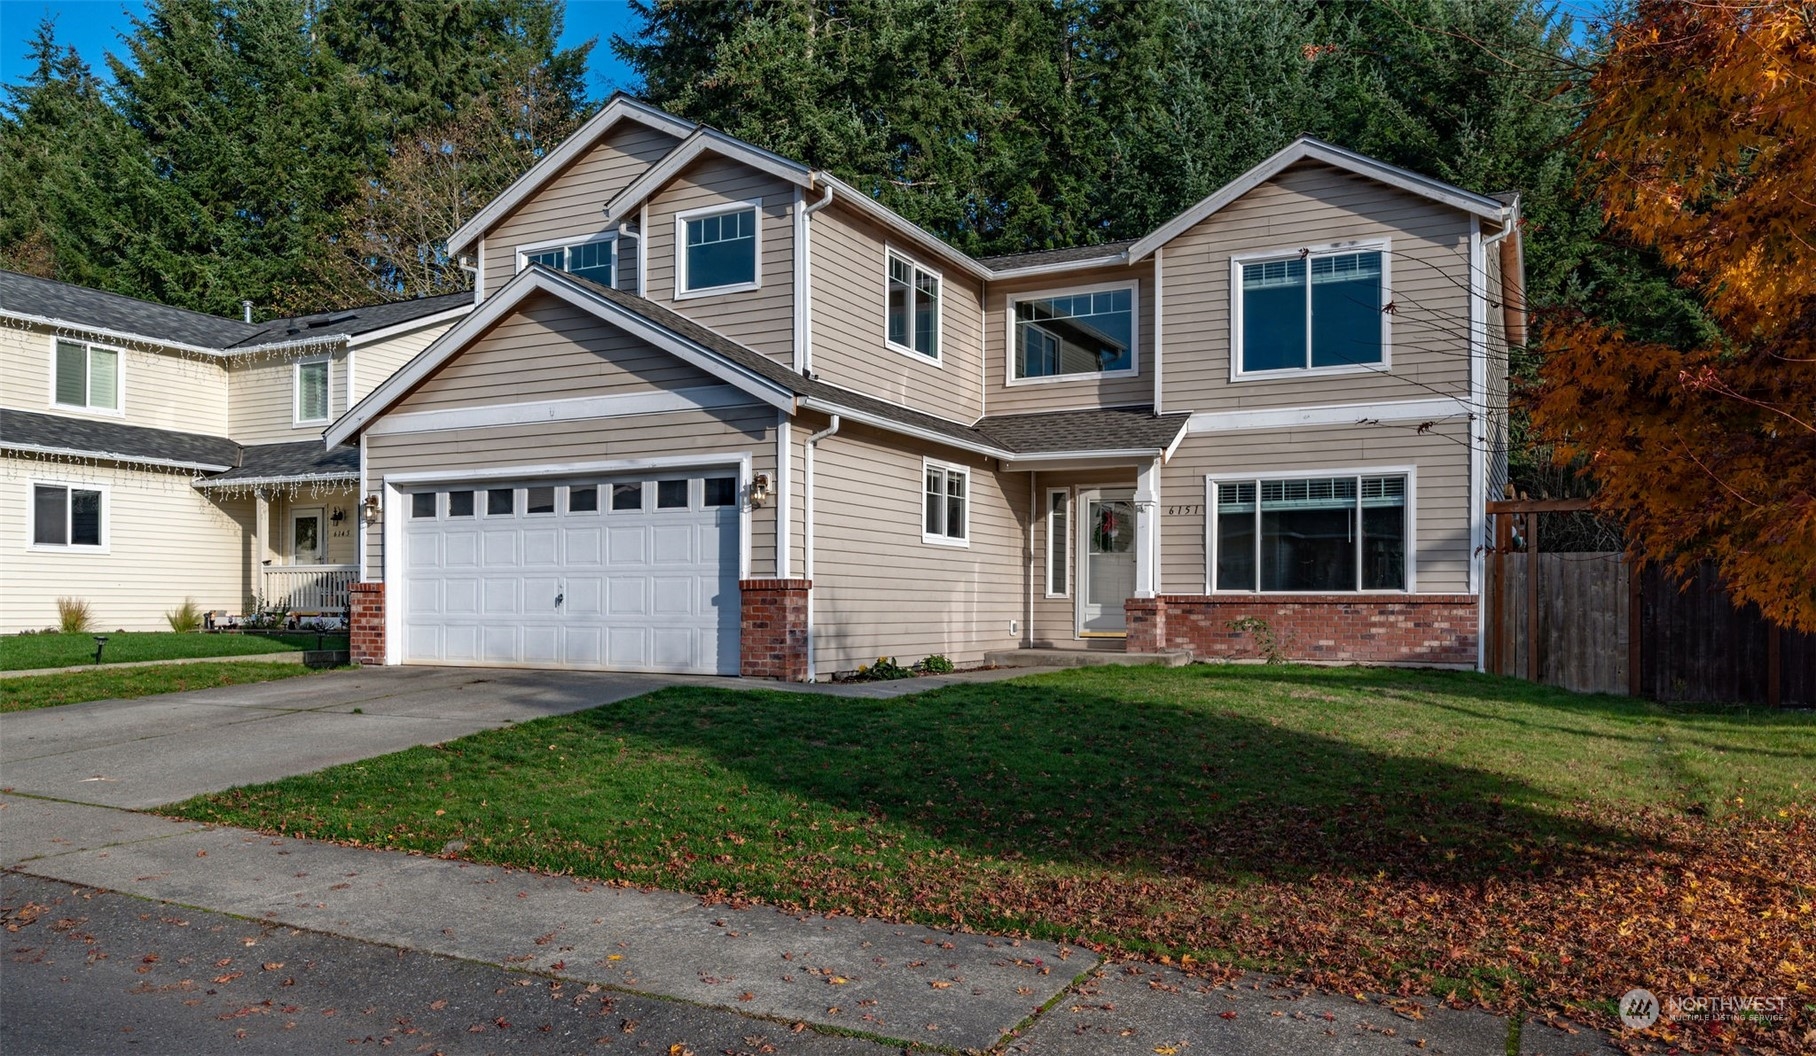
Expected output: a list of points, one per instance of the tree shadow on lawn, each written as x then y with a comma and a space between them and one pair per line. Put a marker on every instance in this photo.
1064, 774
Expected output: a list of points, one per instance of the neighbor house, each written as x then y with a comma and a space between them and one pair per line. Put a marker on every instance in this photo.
150, 455
718, 411
712, 410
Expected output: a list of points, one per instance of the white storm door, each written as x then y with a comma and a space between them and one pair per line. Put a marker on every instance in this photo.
1106, 560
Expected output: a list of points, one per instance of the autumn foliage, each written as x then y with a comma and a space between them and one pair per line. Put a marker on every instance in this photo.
1700, 140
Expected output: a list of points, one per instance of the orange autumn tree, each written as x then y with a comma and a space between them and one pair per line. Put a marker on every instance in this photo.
1700, 141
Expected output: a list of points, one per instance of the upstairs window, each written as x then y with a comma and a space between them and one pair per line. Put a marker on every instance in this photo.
1086, 333
1316, 311
1335, 534
65, 516
311, 391
718, 250
589, 260
87, 376
914, 307
946, 504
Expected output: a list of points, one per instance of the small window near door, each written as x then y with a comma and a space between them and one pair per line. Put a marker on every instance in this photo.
721, 491
627, 496
1059, 542
501, 502
540, 500
460, 504
671, 494
422, 504
583, 500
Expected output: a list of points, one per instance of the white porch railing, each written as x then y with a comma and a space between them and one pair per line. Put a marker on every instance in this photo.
308, 588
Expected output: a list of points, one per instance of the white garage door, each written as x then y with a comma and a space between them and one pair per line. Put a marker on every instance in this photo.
619, 574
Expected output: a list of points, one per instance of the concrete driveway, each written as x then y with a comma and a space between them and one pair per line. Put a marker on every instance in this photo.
155, 750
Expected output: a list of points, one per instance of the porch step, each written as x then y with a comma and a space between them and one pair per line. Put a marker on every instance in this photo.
1082, 658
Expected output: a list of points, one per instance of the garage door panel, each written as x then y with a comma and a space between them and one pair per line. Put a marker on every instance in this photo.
672, 646
460, 549
422, 641
584, 596
425, 600
500, 596
541, 644
539, 594
674, 595
673, 544
540, 549
584, 546
583, 646
425, 552
459, 597
627, 546
500, 550
627, 647
499, 644
628, 596
460, 642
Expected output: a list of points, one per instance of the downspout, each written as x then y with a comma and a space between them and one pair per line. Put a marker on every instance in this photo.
808, 446
805, 252
624, 232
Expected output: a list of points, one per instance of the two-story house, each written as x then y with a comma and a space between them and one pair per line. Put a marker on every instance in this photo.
150, 455
717, 411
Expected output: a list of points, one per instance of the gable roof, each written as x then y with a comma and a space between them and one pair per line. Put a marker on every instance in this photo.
1308, 148
701, 141
295, 462
619, 107
83, 437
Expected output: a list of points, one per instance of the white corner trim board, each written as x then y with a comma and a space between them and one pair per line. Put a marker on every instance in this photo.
1333, 414
574, 409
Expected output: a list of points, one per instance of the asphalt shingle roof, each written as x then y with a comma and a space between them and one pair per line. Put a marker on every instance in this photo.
302, 460
1104, 250
1122, 428
116, 439
81, 306
355, 321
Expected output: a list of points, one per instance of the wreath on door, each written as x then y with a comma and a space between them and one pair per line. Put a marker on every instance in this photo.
1107, 533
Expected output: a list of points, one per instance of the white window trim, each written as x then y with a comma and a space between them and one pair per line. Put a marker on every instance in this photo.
921, 484
119, 377
682, 291
1063, 538
1134, 371
31, 518
1382, 245
296, 392
321, 529
527, 249
938, 359
1411, 473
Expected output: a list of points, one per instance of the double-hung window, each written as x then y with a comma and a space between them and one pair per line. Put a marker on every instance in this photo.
86, 376
1323, 534
1087, 333
717, 250
311, 391
1311, 311
945, 504
64, 515
589, 260
914, 307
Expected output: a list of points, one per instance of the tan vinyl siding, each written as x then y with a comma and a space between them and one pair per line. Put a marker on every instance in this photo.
1441, 490
1312, 205
572, 204
166, 542
162, 390
375, 362
761, 319
1073, 392
1055, 620
263, 395
548, 349
342, 538
878, 589
849, 302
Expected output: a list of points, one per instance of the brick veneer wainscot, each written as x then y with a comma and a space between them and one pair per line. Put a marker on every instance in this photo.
366, 631
1355, 628
772, 639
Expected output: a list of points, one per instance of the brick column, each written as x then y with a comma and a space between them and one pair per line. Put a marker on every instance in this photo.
773, 629
366, 631
1147, 622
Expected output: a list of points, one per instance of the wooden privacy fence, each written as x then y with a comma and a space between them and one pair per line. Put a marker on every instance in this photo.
1591, 623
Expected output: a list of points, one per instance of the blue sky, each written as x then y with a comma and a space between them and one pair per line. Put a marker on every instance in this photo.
94, 28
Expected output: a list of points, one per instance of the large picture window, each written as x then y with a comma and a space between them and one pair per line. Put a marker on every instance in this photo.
87, 376
1074, 334
589, 260
914, 307
1310, 312
1331, 534
718, 250
66, 516
945, 504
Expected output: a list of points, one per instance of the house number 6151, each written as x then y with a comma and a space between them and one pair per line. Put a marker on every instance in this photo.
1185, 511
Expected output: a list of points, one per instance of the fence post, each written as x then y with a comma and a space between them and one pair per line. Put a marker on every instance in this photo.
1636, 628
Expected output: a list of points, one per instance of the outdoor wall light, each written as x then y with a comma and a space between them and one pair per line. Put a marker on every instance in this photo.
371, 509
338, 515
759, 490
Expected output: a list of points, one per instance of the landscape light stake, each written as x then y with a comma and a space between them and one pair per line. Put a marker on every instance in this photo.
100, 644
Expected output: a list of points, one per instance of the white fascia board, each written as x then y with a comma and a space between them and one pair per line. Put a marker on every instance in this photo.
902, 428
535, 279
108, 334
546, 470
110, 456
882, 214
1306, 148
1057, 460
569, 409
1061, 268
700, 142
400, 329
1330, 414
351, 480
619, 108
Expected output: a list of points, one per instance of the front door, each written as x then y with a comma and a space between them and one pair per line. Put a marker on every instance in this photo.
1106, 554
308, 540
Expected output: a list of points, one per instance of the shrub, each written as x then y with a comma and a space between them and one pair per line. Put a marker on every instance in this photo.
937, 664
1267, 643
73, 615
185, 617
884, 670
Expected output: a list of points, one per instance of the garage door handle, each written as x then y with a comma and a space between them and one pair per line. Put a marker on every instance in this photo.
558, 598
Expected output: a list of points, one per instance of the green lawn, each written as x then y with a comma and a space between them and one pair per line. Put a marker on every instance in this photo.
24, 652
1373, 827
47, 691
